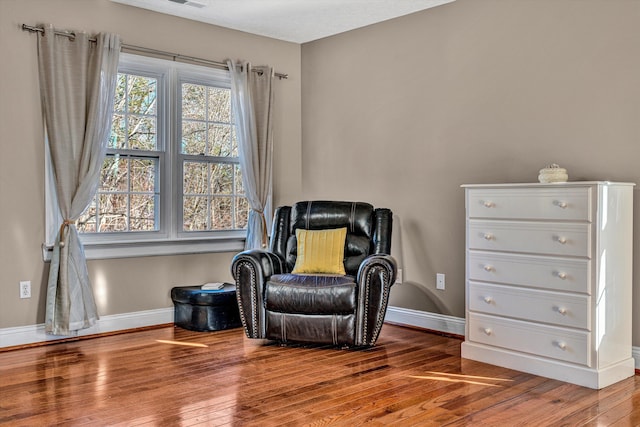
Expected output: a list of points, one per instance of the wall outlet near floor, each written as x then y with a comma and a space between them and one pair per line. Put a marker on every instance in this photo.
440, 281
398, 277
25, 289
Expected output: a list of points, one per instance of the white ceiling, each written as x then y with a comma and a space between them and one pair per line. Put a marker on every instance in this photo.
297, 21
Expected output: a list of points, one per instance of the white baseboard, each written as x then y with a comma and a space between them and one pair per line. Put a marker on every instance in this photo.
24, 335
635, 353
423, 319
448, 324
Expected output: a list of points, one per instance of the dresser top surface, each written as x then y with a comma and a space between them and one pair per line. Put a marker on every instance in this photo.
550, 185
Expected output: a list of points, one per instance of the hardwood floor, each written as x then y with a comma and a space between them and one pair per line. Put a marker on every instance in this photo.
171, 376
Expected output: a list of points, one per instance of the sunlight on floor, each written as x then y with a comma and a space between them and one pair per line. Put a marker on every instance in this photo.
189, 344
458, 378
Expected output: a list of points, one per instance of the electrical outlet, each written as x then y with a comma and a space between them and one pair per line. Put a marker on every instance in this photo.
25, 289
440, 281
398, 276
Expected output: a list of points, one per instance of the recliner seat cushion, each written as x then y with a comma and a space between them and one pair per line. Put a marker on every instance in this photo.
289, 293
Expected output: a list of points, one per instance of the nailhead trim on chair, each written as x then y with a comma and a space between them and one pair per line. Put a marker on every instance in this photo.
370, 340
385, 297
254, 299
366, 308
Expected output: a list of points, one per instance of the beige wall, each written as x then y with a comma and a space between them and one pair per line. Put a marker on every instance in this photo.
477, 91
122, 285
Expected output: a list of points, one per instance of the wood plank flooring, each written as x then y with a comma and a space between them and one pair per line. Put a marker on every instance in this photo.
173, 377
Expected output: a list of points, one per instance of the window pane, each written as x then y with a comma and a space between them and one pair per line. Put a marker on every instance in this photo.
142, 95
238, 175
142, 217
113, 212
193, 101
143, 175
221, 213
118, 209
194, 137
219, 140
195, 213
114, 174
234, 143
221, 178
120, 99
195, 178
242, 212
142, 133
208, 201
219, 100
118, 138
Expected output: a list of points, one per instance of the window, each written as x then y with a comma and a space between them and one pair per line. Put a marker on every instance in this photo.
171, 181
128, 195
212, 193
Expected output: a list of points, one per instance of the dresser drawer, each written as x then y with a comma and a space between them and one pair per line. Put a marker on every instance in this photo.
530, 237
542, 340
567, 204
560, 274
529, 304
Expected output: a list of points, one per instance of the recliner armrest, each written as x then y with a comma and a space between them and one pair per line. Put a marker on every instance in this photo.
266, 263
383, 261
376, 275
250, 269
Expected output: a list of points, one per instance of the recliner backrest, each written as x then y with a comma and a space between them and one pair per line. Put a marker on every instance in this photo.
368, 229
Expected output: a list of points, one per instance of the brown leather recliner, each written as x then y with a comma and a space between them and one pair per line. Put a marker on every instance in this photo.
346, 310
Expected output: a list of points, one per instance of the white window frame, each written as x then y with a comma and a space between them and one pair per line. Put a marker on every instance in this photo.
169, 239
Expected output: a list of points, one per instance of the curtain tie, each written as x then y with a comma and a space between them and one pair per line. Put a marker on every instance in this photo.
65, 224
264, 230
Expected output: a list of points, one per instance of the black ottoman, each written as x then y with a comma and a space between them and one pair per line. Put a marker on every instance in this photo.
206, 310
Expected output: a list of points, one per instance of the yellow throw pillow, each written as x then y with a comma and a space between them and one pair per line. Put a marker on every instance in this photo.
320, 251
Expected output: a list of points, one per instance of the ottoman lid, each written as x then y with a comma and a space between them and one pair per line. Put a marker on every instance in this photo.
194, 295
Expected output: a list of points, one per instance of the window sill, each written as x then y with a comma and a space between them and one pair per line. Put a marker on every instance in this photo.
155, 248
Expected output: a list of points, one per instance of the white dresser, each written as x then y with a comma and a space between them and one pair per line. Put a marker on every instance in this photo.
548, 279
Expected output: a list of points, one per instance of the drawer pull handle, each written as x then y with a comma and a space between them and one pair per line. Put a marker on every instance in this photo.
562, 310
488, 268
489, 204
561, 345
562, 205
562, 275
488, 236
488, 300
488, 331
562, 240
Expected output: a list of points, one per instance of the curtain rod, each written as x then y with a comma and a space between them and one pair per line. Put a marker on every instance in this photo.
133, 48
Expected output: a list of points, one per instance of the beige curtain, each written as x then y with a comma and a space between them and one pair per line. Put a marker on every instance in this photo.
252, 100
77, 83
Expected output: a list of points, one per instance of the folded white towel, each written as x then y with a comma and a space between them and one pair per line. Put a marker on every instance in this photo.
212, 286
